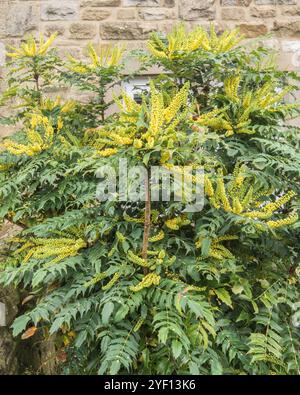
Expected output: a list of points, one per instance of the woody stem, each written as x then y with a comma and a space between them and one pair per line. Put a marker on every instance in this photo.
147, 221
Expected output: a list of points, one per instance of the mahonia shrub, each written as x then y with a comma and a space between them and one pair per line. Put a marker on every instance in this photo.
149, 287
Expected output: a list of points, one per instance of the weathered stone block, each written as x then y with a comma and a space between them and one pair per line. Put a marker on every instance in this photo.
240, 3
253, 30
125, 31
141, 3
82, 30
94, 14
100, 3
191, 10
291, 46
233, 14
265, 2
20, 19
269, 12
59, 10
169, 3
291, 11
2, 54
126, 13
275, 2
52, 28
155, 14
287, 28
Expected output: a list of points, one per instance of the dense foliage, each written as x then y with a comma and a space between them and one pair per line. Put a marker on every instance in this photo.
149, 287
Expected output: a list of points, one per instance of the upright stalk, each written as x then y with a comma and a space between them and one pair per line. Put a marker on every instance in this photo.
147, 220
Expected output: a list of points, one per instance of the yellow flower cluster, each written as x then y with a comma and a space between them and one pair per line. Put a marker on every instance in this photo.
231, 86
129, 108
271, 207
217, 250
132, 219
216, 120
162, 119
5, 166
265, 98
107, 152
31, 47
147, 281
177, 222
137, 260
120, 236
112, 282
104, 56
118, 139
208, 187
159, 236
176, 103
38, 142
98, 277
292, 218
237, 197
183, 172
176, 278
49, 105
180, 42
46, 248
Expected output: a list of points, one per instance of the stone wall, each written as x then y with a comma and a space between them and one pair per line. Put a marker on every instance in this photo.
81, 21
131, 21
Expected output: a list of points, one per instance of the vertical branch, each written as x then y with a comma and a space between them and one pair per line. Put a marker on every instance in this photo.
37, 84
36, 77
147, 221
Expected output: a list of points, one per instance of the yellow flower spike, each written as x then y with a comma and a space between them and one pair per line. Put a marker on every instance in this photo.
156, 113
57, 248
112, 282
208, 187
225, 238
257, 214
32, 48
149, 280
291, 219
60, 123
129, 108
93, 55
159, 236
107, 152
172, 224
237, 206
248, 197
178, 100
68, 106
136, 259
271, 207
137, 143
217, 250
49, 133
221, 193
120, 236
162, 254
97, 278
37, 142
131, 219
120, 140
44, 47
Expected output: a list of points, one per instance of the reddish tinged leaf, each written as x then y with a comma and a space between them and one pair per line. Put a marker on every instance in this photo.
29, 333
